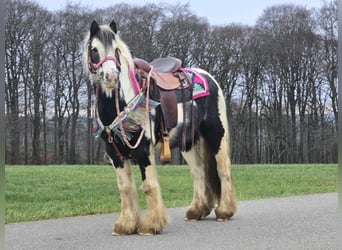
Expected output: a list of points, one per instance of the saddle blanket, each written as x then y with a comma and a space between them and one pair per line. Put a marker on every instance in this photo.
200, 84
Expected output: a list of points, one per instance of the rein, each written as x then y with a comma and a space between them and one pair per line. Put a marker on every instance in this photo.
145, 89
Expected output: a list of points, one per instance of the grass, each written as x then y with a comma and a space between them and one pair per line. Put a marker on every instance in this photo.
44, 192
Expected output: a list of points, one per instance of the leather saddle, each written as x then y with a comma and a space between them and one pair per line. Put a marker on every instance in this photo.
168, 77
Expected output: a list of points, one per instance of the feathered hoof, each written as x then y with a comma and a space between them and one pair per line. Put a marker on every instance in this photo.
195, 214
124, 229
223, 214
153, 225
149, 230
192, 215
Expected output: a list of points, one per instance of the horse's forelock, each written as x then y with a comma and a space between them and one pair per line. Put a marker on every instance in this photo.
105, 35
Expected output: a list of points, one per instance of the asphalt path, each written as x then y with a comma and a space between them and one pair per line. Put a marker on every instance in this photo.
299, 222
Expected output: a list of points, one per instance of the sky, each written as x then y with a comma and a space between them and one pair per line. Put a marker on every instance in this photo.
217, 12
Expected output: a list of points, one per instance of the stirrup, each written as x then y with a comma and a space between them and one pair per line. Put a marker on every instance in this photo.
165, 153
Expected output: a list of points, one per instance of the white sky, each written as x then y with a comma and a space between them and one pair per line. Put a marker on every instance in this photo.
218, 12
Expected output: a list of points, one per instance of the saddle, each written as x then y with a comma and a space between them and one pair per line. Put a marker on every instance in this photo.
168, 77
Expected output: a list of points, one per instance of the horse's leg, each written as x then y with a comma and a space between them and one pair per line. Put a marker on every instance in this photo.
201, 204
156, 214
129, 219
227, 200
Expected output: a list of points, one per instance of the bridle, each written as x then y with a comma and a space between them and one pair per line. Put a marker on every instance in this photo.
93, 67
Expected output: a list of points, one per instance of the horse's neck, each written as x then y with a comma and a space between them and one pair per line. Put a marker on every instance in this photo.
126, 84
107, 108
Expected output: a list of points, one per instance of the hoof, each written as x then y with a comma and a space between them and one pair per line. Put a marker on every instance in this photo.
117, 234
221, 220
121, 230
194, 215
197, 212
146, 234
222, 214
192, 220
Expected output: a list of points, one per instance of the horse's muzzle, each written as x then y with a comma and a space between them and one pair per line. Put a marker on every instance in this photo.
111, 80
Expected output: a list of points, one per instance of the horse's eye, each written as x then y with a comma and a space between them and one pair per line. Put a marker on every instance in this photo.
94, 54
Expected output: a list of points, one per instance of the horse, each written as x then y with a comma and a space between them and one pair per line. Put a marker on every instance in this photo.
130, 115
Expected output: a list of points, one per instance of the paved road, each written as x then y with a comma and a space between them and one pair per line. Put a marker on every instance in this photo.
300, 222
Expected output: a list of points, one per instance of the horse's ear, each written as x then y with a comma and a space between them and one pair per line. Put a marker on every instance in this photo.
112, 25
94, 28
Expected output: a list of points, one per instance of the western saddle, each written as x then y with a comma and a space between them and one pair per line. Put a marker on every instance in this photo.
167, 77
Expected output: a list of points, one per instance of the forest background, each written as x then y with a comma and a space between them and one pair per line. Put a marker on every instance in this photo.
279, 78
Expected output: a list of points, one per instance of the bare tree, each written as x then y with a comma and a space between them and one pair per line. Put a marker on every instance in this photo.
15, 32
288, 38
182, 35
71, 42
38, 47
26, 38
327, 28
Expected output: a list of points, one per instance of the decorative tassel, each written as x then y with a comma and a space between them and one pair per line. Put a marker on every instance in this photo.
165, 152
97, 128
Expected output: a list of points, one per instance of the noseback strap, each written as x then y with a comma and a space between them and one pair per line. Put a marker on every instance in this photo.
107, 58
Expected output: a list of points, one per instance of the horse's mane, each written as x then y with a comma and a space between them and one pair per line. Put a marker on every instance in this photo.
125, 51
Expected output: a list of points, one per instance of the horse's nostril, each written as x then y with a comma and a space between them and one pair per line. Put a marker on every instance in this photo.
110, 77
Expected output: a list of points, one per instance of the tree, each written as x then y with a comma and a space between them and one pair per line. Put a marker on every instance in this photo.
327, 28
26, 38
182, 35
288, 41
71, 62
38, 52
15, 32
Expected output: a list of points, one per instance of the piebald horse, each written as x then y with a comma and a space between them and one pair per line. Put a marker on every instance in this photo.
201, 132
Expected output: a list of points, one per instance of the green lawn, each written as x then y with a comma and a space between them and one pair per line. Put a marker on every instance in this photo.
42, 192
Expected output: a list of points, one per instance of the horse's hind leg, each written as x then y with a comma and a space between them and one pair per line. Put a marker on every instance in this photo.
226, 200
201, 204
129, 219
156, 214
